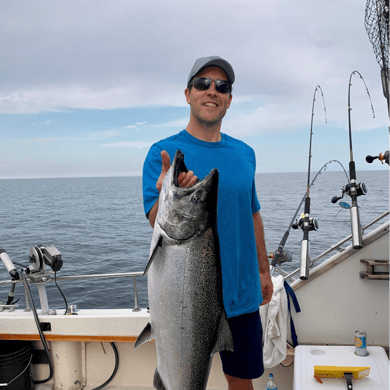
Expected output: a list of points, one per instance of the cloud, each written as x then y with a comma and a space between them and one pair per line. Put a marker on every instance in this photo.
48, 122
57, 98
125, 144
96, 59
131, 127
104, 134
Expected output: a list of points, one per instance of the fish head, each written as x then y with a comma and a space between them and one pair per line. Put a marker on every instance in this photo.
184, 212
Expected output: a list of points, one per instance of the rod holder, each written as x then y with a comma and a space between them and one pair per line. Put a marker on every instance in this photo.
357, 235
43, 298
136, 307
305, 251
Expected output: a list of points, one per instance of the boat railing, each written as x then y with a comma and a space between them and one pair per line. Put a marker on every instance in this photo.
116, 275
44, 303
337, 247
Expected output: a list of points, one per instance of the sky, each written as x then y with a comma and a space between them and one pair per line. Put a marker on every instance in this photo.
86, 87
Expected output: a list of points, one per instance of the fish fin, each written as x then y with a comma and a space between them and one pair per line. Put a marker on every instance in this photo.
224, 337
157, 381
145, 336
158, 244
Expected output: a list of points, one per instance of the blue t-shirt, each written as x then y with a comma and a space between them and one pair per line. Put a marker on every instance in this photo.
237, 201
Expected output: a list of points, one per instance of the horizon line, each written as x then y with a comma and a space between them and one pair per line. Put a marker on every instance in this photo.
139, 175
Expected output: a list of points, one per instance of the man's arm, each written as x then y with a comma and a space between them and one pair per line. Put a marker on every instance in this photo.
265, 276
153, 214
185, 180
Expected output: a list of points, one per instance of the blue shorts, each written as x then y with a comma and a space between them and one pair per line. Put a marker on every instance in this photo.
246, 361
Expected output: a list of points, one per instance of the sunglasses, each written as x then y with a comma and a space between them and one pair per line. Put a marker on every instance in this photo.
204, 83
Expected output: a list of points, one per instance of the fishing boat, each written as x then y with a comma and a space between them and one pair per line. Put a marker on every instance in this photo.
344, 289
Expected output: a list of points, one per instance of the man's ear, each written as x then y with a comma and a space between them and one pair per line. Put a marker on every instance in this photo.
230, 100
187, 94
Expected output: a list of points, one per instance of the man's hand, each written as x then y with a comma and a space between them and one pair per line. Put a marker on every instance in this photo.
185, 179
166, 163
267, 288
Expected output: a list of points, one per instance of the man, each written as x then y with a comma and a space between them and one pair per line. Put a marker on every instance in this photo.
240, 228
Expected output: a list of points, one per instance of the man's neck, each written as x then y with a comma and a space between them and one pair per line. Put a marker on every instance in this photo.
205, 133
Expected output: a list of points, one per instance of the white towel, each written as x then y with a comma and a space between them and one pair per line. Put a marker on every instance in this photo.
274, 317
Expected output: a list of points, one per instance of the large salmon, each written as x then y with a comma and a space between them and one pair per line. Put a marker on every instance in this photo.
187, 317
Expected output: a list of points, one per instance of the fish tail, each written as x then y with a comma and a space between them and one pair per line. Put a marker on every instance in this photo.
224, 341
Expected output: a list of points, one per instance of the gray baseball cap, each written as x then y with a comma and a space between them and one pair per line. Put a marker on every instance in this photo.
202, 62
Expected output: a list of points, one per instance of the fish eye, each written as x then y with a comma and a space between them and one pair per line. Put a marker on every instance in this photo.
196, 197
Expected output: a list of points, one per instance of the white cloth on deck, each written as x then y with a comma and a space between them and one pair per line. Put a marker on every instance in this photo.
274, 317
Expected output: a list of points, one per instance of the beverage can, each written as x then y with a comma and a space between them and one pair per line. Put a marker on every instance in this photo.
361, 343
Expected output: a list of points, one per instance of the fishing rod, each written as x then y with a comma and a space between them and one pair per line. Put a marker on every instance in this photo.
352, 189
281, 255
376, 22
308, 223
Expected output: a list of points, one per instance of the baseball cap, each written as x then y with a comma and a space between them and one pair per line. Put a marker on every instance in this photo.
202, 62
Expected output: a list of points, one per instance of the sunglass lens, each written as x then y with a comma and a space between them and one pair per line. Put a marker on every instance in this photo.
222, 86
202, 83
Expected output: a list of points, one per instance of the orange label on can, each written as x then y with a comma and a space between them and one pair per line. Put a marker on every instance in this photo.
358, 342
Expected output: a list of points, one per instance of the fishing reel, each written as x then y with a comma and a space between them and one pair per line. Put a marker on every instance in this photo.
351, 189
41, 255
283, 256
382, 157
299, 223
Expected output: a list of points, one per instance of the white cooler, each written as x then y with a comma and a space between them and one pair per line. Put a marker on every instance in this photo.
306, 357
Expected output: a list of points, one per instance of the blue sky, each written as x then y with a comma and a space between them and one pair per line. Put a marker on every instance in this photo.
86, 87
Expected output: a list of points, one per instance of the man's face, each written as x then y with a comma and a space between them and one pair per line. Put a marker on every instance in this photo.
209, 106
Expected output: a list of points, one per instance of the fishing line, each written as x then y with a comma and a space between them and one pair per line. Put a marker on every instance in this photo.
280, 251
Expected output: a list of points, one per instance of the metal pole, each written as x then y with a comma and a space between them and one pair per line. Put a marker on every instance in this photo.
136, 307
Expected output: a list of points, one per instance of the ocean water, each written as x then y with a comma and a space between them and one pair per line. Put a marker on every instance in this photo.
99, 226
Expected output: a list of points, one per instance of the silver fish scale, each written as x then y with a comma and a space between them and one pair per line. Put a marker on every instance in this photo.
185, 295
